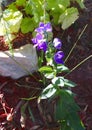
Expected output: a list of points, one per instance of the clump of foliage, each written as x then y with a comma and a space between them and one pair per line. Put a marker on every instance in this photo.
25, 15
54, 84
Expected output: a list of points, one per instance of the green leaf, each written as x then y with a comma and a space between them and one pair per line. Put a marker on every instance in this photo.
63, 3
47, 71
69, 83
45, 17
31, 114
58, 5
68, 17
61, 81
37, 10
80, 2
58, 81
49, 75
28, 8
62, 68
67, 109
23, 109
75, 122
48, 92
52, 4
13, 6
49, 56
20, 2
65, 126
10, 22
55, 16
27, 25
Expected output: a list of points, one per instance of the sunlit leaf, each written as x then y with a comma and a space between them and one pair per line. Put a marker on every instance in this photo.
11, 20
69, 83
58, 5
50, 75
58, 81
27, 25
46, 69
10, 23
68, 17
48, 92
20, 2
49, 58
62, 68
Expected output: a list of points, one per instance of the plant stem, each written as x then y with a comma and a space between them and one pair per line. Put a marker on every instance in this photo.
75, 43
44, 10
79, 64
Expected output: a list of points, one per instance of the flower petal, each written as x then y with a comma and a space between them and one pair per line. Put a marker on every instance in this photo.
48, 27
58, 57
42, 46
57, 43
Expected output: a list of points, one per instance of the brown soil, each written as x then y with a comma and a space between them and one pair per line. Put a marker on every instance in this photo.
18, 110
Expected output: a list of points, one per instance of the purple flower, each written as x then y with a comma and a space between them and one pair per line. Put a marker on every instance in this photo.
58, 57
44, 28
48, 27
42, 46
57, 43
39, 37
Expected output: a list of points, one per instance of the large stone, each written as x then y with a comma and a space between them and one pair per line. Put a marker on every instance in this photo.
24, 62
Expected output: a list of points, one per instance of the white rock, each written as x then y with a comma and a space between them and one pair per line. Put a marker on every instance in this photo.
24, 62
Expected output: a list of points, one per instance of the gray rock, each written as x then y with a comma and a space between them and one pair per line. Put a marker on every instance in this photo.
24, 62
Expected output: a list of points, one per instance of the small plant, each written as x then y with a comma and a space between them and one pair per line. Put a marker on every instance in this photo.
55, 85
25, 15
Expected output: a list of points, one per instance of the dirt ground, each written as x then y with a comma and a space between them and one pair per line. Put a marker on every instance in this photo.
11, 91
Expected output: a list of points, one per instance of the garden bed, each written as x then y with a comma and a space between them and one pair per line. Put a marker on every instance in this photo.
15, 92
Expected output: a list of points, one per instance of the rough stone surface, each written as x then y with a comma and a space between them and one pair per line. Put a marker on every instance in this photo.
24, 62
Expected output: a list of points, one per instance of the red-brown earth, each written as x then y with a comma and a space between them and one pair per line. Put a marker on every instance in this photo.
14, 110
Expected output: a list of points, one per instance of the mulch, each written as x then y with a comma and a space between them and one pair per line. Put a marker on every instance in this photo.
29, 113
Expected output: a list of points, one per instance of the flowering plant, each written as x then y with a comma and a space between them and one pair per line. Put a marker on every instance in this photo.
52, 68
